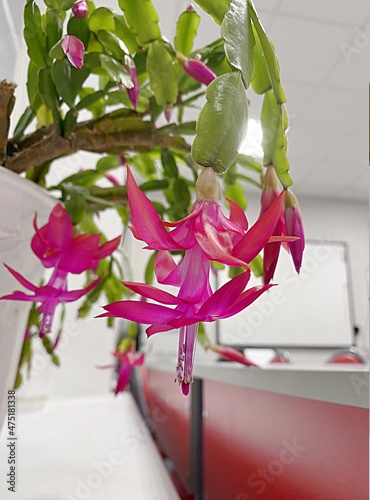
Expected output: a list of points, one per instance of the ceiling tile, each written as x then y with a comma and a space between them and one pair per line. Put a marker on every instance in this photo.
331, 11
306, 51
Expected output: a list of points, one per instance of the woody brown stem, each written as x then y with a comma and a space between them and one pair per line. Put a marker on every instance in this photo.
113, 133
7, 100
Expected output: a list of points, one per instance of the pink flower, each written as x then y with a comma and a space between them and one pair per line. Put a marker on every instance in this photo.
50, 295
268, 196
80, 9
55, 245
205, 235
133, 92
294, 227
126, 361
196, 69
74, 49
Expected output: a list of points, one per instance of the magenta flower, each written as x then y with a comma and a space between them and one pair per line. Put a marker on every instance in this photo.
74, 50
205, 235
268, 196
133, 92
126, 361
50, 295
294, 227
196, 69
80, 9
55, 245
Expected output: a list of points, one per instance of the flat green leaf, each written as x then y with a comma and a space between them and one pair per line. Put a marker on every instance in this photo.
181, 192
34, 35
76, 207
216, 8
125, 34
116, 71
66, 4
142, 18
111, 43
162, 74
23, 122
144, 165
101, 19
260, 80
222, 123
107, 163
52, 4
149, 270
270, 56
78, 27
47, 89
186, 31
78, 77
61, 73
274, 121
235, 192
56, 52
155, 185
257, 266
90, 98
169, 164
236, 30
54, 27
70, 121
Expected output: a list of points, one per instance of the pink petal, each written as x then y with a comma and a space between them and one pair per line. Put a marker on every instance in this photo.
225, 296
140, 312
70, 296
20, 296
151, 330
146, 220
258, 235
22, 280
123, 379
81, 255
151, 292
245, 300
164, 265
237, 215
108, 248
60, 228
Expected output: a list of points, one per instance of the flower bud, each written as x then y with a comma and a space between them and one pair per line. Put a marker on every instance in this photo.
74, 50
196, 69
80, 9
294, 227
133, 92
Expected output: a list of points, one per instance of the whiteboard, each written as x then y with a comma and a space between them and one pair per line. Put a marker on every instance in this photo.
313, 309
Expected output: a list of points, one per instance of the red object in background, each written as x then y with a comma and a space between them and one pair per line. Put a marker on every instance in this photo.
351, 355
260, 445
267, 446
281, 357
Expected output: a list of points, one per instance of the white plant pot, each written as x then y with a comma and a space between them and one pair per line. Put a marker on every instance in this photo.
19, 200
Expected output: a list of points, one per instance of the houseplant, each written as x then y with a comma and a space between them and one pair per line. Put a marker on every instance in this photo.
110, 83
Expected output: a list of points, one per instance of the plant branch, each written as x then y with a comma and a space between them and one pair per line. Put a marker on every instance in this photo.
7, 100
113, 133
